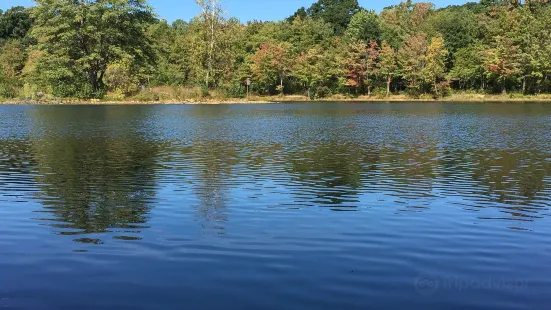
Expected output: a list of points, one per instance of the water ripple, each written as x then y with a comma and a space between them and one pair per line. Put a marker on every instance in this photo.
300, 206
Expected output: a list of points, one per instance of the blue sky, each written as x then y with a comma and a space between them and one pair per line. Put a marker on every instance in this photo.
242, 9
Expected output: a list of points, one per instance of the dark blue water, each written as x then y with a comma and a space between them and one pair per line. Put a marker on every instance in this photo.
296, 206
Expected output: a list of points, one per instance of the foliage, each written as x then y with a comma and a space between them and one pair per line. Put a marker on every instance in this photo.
312, 68
271, 64
121, 78
359, 62
88, 48
79, 40
412, 59
12, 61
469, 66
388, 64
14, 23
364, 26
435, 65
338, 13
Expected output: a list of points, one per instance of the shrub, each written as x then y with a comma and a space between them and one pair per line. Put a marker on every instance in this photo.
323, 92
120, 78
234, 90
189, 93
379, 92
8, 88
413, 92
205, 92
443, 89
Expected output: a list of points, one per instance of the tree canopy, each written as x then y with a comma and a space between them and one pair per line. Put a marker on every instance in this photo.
119, 49
14, 23
338, 13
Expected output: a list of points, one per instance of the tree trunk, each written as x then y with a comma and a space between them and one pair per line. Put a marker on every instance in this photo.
211, 48
368, 86
388, 81
524, 85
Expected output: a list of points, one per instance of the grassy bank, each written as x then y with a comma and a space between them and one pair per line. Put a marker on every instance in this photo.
194, 95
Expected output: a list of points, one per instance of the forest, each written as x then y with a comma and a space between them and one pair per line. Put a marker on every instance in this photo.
121, 50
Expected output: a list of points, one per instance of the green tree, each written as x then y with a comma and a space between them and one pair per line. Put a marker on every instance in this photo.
14, 23
78, 41
400, 22
388, 65
172, 67
197, 63
458, 26
304, 34
364, 26
468, 67
179, 25
336, 12
212, 18
122, 78
12, 60
85, 48
314, 68
300, 13
412, 60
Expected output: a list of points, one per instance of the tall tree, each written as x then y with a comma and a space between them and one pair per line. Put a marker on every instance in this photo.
272, 62
435, 62
400, 22
411, 59
502, 62
468, 67
373, 51
12, 60
313, 68
14, 23
364, 26
359, 62
305, 33
77, 41
387, 64
458, 26
336, 12
212, 16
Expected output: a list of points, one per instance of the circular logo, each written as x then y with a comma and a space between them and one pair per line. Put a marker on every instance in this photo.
426, 286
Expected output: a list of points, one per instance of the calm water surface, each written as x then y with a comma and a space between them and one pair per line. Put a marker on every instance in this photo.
322, 206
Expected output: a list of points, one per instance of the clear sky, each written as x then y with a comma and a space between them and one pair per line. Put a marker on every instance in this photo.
242, 9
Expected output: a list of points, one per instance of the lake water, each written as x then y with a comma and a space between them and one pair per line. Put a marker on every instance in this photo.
292, 206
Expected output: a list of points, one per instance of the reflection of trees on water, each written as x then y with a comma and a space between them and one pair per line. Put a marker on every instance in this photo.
100, 174
16, 159
513, 179
212, 160
96, 175
333, 171
505, 173
212, 173
338, 173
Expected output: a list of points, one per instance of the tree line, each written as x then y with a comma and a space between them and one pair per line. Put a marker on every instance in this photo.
120, 48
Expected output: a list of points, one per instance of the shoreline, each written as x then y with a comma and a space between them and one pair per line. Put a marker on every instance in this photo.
286, 99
